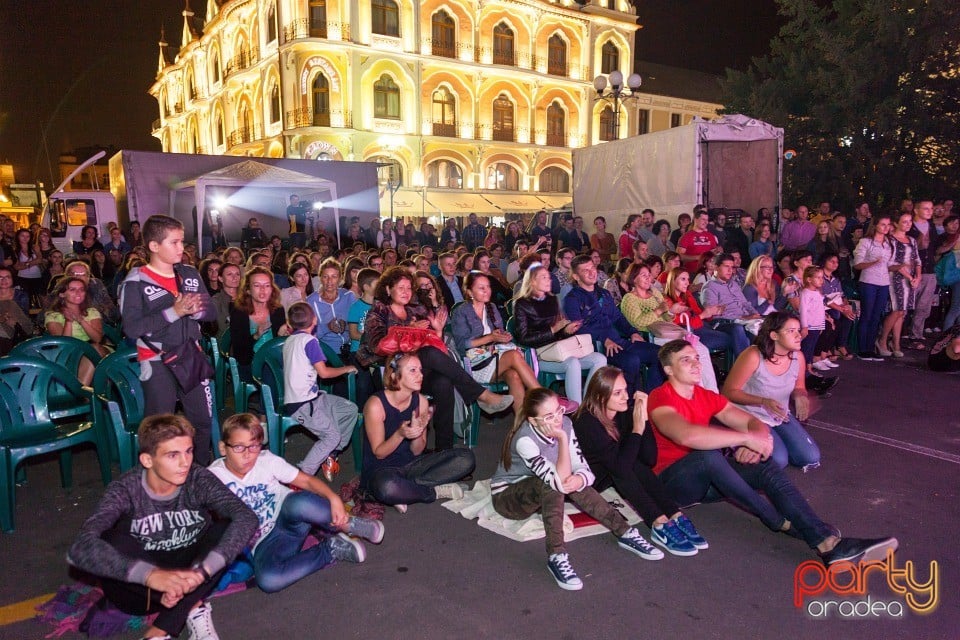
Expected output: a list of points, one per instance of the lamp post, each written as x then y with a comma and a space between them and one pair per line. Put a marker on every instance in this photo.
617, 93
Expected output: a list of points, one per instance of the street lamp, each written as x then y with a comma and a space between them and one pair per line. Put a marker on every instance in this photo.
617, 94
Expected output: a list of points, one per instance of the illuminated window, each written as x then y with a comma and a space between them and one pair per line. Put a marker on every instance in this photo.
444, 174
318, 18
503, 119
609, 58
556, 56
503, 38
386, 98
444, 42
556, 126
275, 104
608, 124
220, 133
272, 23
388, 170
554, 180
503, 177
385, 16
444, 113
321, 101
215, 67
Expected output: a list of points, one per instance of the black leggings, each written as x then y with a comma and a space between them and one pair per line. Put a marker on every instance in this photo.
160, 395
137, 599
441, 375
640, 486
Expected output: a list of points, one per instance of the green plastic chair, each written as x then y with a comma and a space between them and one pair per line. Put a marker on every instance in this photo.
221, 363
67, 352
113, 336
28, 426
356, 441
116, 382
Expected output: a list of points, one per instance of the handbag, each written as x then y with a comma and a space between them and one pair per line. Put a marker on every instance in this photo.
401, 339
667, 330
188, 364
578, 346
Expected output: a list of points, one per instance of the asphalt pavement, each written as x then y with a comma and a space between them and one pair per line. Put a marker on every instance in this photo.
890, 442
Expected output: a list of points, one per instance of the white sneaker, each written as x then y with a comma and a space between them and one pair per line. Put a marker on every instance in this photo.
821, 365
401, 508
831, 364
449, 491
200, 623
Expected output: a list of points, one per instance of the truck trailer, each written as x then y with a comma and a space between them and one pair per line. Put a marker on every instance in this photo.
734, 162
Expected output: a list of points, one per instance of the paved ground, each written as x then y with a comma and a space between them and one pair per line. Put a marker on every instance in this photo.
890, 437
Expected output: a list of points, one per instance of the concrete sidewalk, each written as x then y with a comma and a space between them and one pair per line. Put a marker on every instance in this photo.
890, 437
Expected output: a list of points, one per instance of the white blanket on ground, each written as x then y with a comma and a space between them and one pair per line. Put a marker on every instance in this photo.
477, 503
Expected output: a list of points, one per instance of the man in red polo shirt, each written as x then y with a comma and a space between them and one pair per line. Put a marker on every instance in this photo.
696, 242
699, 462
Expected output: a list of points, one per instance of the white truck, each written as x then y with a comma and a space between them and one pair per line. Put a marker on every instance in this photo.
735, 162
228, 189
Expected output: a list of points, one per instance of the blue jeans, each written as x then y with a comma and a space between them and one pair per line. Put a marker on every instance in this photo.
873, 302
278, 560
631, 358
736, 332
808, 346
709, 476
792, 443
415, 481
713, 339
954, 313
572, 370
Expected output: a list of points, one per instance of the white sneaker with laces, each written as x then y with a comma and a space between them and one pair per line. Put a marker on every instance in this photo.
200, 623
449, 491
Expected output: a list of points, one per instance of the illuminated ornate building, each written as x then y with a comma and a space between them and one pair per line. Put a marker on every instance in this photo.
469, 105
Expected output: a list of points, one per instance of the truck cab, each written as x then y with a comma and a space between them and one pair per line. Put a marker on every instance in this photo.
68, 212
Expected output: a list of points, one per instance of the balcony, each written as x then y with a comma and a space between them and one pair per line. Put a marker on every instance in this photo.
556, 139
445, 129
243, 60
243, 135
508, 58
303, 28
336, 119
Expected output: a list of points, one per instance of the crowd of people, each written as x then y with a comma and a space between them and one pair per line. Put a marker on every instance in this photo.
781, 298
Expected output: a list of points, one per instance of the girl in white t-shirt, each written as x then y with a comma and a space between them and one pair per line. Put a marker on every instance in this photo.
263, 481
816, 326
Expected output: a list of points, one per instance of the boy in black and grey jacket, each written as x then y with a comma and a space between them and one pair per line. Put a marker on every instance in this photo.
164, 532
162, 305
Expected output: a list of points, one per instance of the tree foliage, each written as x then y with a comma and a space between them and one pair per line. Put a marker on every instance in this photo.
868, 92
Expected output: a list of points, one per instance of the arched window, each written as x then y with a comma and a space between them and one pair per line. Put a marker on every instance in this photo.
503, 177
272, 23
318, 18
245, 120
190, 86
386, 98
444, 42
556, 125
444, 113
385, 17
609, 57
554, 180
275, 104
221, 135
321, 101
388, 170
503, 119
608, 125
556, 56
503, 52
164, 105
444, 174
194, 139
215, 70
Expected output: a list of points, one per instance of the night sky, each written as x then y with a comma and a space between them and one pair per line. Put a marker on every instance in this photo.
80, 77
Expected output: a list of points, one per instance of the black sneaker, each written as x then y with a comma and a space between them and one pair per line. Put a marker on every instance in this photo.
856, 549
870, 356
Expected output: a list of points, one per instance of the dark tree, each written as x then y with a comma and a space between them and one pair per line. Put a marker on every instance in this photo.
868, 92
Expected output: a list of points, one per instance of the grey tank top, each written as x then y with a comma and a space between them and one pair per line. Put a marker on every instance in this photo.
766, 384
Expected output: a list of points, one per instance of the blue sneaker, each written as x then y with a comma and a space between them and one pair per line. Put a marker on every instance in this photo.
697, 540
670, 537
563, 573
633, 541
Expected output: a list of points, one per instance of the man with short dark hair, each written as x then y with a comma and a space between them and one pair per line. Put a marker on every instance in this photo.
695, 465
696, 242
163, 533
474, 233
742, 235
722, 291
297, 217
568, 236
601, 318
450, 287
797, 233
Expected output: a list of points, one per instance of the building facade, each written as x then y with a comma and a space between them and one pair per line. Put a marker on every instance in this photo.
469, 105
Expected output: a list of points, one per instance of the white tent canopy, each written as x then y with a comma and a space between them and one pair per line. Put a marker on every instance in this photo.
250, 174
